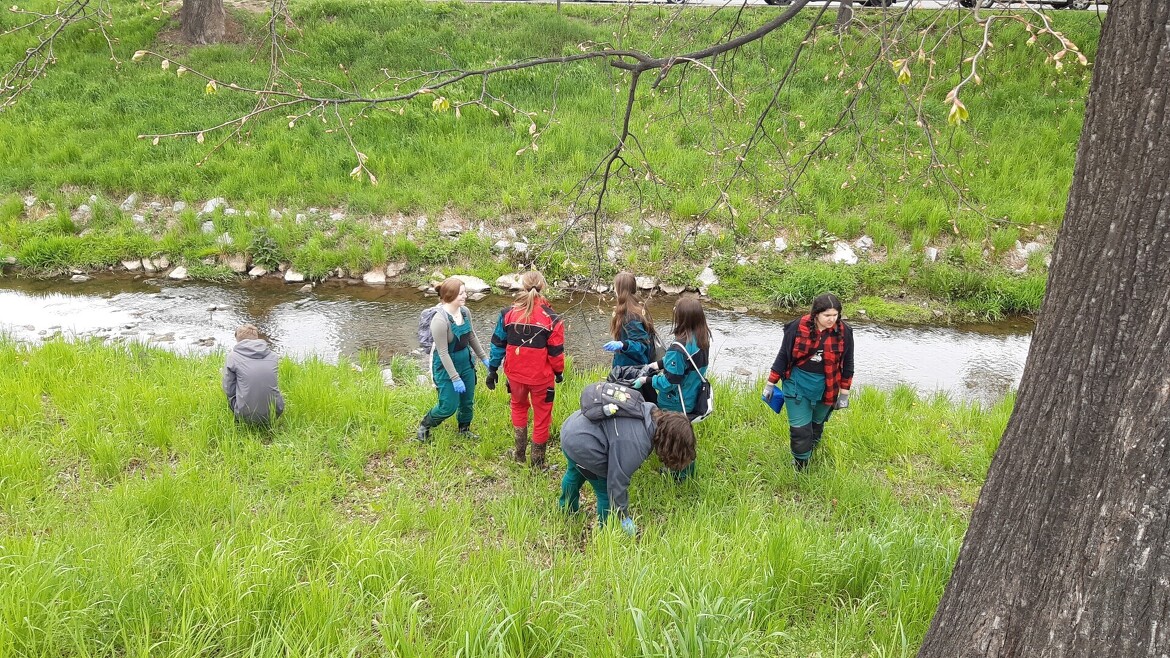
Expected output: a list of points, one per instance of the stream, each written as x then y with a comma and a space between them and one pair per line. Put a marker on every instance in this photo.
972, 363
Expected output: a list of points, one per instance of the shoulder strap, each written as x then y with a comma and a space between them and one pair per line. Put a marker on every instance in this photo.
687, 354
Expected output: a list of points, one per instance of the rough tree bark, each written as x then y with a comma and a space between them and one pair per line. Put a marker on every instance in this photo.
844, 16
202, 21
1067, 551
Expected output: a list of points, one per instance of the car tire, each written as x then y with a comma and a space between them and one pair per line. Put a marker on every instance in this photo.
779, 3
877, 3
968, 4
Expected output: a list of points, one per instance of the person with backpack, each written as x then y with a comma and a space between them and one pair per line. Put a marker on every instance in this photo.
529, 341
608, 438
680, 378
634, 341
452, 364
815, 371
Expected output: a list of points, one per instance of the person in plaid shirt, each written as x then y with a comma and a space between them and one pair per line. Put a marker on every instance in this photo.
815, 371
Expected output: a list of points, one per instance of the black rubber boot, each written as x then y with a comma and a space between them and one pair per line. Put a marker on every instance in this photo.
424, 430
538, 455
466, 433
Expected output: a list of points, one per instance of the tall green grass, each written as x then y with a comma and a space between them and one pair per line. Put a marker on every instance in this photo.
138, 519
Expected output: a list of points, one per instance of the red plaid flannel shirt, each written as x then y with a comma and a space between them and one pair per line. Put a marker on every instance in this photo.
806, 342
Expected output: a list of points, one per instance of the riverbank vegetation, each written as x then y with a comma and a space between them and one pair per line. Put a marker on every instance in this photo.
137, 519
950, 242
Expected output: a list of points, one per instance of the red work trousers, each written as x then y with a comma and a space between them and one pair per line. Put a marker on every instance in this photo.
540, 398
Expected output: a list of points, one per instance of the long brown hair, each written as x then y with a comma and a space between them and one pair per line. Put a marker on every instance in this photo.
690, 322
532, 282
629, 306
674, 439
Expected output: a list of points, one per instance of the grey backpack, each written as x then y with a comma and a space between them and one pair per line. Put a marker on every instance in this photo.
425, 340
609, 400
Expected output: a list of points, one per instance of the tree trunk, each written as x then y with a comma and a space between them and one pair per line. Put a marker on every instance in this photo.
202, 21
1066, 554
844, 16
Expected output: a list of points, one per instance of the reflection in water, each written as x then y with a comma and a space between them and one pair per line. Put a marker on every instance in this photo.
978, 364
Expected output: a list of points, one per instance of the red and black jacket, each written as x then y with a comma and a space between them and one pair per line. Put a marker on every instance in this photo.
532, 349
802, 340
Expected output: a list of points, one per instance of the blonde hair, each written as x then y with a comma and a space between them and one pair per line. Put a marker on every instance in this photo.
247, 331
533, 283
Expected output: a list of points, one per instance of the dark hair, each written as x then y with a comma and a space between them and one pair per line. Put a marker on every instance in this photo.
690, 322
449, 289
825, 302
674, 439
629, 306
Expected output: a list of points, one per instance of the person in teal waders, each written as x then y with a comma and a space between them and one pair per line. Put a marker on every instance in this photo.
815, 371
452, 363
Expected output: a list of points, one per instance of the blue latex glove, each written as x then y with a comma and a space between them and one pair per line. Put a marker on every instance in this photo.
612, 346
628, 527
460, 387
486, 364
640, 381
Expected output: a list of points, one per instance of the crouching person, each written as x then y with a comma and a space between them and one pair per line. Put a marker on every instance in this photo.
249, 379
608, 439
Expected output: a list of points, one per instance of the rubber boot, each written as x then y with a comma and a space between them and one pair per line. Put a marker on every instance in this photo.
466, 433
799, 464
521, 435
424, 433
538, 455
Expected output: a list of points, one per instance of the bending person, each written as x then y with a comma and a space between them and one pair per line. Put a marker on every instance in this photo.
249, 379
606, 453
815, 370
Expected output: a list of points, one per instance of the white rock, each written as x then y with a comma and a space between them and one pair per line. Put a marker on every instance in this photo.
387, 377
476, 296
148, 266
741, 260
450, 227
376, 277
779, 244
864, 243
132, 265
1030, 248
337, 216
138, 219
178, 274
179, 206
208, 227
420, 223
611, 254
308, 287
300, 218
508, 282
512, 233
230, 212
707, 277
156, 206
394, 270
130, 202
501, 245
214, 204
314, 211
293, 276
671, 289
84, 209
162, 262
30, 201
843, 253
520, 247
257, 271
646, 282
238, 263
473, 284
79, 278
274, 214
931, 254
601, 288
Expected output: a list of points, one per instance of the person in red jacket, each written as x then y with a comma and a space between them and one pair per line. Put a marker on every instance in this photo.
529, 341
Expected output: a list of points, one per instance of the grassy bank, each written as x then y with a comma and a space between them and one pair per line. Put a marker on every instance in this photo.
75, 135
137, 520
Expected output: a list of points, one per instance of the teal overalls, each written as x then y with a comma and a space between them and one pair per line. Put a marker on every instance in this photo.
450, 401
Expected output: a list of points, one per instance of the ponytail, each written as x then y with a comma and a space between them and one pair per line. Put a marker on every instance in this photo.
532, 283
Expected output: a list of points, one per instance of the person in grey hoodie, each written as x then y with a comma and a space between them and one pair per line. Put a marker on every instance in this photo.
249, 379
606, 453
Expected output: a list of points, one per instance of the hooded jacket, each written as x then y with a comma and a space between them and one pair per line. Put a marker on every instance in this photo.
249, 381
613, 449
